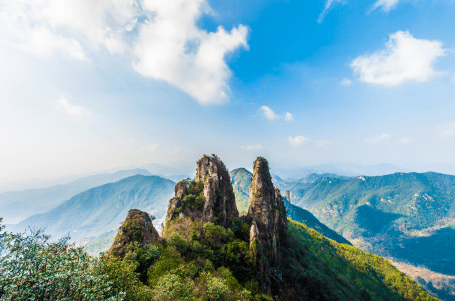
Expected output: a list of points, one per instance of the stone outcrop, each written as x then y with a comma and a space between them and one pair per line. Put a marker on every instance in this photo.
288, 196
136, 227
269, 229
214, 184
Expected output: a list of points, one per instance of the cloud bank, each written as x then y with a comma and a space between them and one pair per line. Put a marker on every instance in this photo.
404, 58
162, 37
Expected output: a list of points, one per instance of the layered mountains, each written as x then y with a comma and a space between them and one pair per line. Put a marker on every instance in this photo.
16, 206
101, 209
408, 217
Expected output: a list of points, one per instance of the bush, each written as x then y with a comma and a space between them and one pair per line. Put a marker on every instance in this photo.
172, 287
32, 268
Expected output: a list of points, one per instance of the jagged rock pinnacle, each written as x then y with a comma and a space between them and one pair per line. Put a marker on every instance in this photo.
214, 183
269, 229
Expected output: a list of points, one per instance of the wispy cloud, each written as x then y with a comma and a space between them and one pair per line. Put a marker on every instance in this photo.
288, 116
406, 140
271, 115
322, 143
162, 37
378, 139
148, 148
252, 147
404, 58
297, 141
386, 5
346, 82
72, 109
448, 129
328, 5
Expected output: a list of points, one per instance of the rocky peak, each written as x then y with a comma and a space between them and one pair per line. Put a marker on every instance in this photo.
268, 230
288, 196
136, 227
209, 198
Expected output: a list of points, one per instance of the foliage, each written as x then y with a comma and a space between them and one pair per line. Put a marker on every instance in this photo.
195, 199
344, 271
33, 268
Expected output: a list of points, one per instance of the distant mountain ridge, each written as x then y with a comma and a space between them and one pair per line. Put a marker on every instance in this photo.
409, 217
101, 209
18, 205
340, 169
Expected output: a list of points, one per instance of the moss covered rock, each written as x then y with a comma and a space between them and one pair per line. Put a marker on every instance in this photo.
137, 227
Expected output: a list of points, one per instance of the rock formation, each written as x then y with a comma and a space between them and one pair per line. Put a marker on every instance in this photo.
136, 227
269, 229
288, 196
214, 184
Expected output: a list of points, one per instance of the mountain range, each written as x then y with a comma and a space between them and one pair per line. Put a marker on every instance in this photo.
101, 209
16, 206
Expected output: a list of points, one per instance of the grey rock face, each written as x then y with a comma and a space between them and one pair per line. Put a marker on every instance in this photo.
269, 229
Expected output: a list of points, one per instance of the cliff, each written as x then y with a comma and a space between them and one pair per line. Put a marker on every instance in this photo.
209, 198
269, 231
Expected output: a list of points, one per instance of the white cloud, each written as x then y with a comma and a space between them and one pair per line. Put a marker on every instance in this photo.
346, 82
299, 140
378, 139
148, 148
288, 116
161, 35
252, 147
387, 5
406, 140
72, 109
269, 113
43, 26
404, 59
322, 143
448, 129
172, 48
328, 5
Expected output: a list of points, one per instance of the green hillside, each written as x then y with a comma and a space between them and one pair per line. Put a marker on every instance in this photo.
409, 217
241, 180
102, 209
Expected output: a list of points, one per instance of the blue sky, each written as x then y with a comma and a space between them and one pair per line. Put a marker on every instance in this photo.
88, 86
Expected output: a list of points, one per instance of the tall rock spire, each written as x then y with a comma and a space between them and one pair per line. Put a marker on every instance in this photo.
269, 229
214, 184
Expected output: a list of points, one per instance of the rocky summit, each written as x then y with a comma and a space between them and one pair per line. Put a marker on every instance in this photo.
269, 229
137, 227
208, 198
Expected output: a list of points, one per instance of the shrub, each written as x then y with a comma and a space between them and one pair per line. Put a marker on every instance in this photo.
32, 268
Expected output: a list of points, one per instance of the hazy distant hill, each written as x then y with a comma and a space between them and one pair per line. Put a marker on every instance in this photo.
18, 205
340, 169
101, 209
